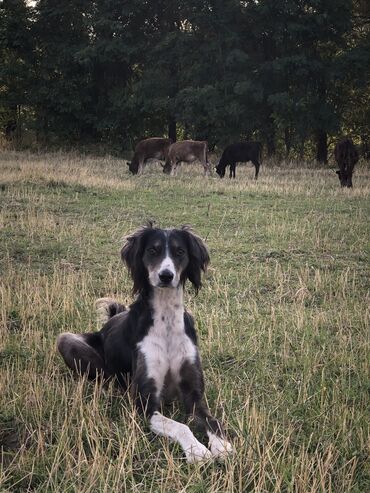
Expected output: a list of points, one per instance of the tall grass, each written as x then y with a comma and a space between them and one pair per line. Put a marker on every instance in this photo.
283, 322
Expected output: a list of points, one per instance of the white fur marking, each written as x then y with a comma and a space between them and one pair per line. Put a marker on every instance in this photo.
219, 447
166, 264
166, 346
181, 434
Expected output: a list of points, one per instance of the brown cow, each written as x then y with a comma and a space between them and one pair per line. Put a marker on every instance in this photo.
153, 148
346, 156
187, 151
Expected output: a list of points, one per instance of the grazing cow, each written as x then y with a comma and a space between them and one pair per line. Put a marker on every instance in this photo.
346, 156
240, 152
153, 148
187, 151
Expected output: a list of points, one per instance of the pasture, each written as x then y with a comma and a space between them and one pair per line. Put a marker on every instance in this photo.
283, 324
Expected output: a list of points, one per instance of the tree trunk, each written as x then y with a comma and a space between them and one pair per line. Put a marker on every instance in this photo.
270, 144
301, 147
18, 130
321, 146
172, 130
288, 141
269, 135
365, 147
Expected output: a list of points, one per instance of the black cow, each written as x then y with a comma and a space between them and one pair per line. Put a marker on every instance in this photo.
241, 152
346, 156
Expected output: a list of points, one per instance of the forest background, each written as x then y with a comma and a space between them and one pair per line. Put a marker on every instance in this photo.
103, 74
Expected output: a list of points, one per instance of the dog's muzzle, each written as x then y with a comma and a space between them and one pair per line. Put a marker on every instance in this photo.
166, 277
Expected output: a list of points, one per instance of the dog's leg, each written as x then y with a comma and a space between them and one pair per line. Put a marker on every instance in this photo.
192, 389
79, 354
217, 441
180, 433
147, 387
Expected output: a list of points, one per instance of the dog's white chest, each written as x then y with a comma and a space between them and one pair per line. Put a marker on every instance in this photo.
166, 346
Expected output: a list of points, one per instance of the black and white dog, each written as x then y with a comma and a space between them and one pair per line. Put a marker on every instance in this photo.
154, 341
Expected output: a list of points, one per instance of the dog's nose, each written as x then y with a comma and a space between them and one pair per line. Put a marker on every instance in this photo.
166, 276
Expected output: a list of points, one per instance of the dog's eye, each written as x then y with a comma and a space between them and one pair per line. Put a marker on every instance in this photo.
180, 252
152, 251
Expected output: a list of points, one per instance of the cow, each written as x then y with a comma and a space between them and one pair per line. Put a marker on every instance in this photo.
153, 148
346, 156
241, 152
187, 151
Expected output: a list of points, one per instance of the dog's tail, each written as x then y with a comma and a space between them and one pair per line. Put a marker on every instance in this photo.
106, 308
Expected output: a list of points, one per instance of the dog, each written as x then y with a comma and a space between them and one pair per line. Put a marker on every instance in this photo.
153, 343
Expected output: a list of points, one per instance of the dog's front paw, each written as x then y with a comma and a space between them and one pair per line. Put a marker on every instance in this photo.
197, 453
220, 448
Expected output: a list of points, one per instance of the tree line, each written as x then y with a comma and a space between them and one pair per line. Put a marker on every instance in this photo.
293, 74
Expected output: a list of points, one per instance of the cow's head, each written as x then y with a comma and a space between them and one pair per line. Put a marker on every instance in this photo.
345, 178
167, 168
220, 169
133, 166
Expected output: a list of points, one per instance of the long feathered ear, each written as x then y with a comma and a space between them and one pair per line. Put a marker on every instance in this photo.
132, 253
198, 257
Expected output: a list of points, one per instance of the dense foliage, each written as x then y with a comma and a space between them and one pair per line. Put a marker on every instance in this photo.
292, 73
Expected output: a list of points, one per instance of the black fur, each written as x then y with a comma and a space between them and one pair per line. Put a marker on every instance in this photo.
115, 351
199, 258
132, 255
240, 152
346, 156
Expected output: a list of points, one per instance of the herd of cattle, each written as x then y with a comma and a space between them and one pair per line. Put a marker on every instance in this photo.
188, 151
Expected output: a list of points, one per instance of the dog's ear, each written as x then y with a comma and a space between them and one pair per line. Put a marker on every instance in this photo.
198, 257
132, 253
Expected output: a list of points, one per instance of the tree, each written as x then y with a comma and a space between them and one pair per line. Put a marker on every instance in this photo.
61, 93
294, 74
16, 52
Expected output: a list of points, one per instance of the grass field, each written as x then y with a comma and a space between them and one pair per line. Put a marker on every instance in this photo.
283, 321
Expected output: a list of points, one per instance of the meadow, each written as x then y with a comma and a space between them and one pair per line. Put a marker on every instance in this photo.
283, 323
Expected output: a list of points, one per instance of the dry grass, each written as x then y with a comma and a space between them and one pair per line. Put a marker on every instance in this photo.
283, 321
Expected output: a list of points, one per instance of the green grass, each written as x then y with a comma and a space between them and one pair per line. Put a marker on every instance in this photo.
283, 322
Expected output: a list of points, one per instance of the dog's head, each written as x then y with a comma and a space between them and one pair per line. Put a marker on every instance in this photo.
164, 258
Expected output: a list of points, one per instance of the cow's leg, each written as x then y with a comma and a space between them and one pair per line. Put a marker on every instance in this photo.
173, 168
83, 353
232, 170
349, 176
343, 177
257, 166
140, 168
207, 169
340, 176
204, 160
192, 391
